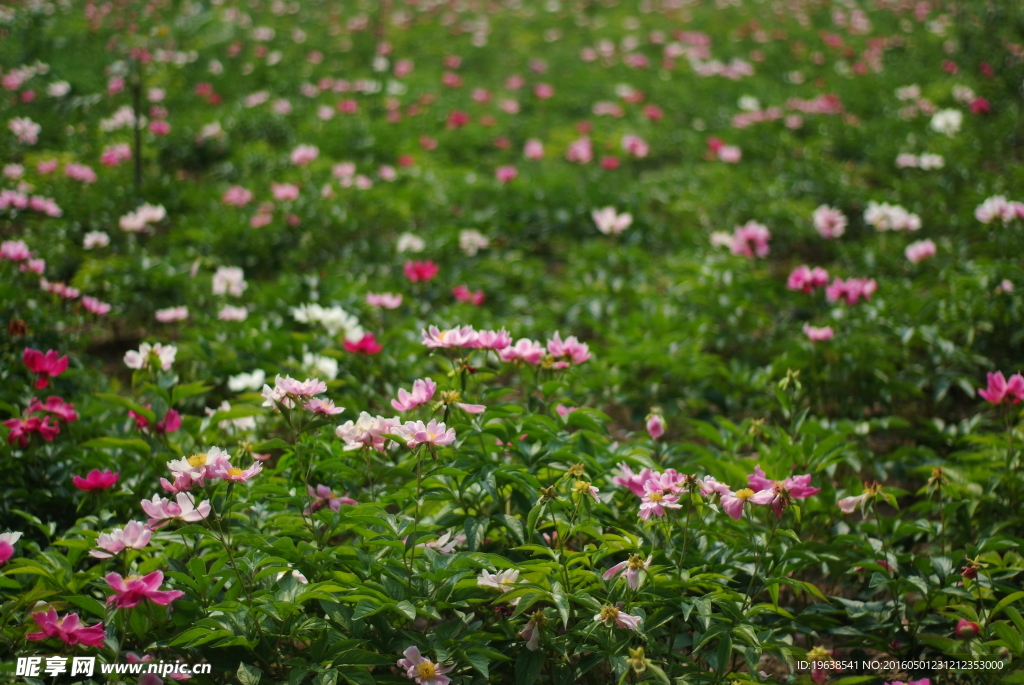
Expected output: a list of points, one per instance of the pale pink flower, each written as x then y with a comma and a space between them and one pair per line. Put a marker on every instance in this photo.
384, 300
504, 580
997, 207
610, 222
580, 151
572, 348
134, 535
463, 336
229, 280
730, 154
15, 250
323, 407
432, 434
94, 306
163, 511
304, 154
655, 425
610, 614
534, 149
525, 350
94, 239
504, 174
629, 569
421, 670
422, 390
284, 192
147, 355
225, 471
172, 314
493, 340
635, 146
25, 130
80, 173
795, 487
733, 502
920, 250
237, 196
231, 313
445, 544
815, 334
325, 497
367, 431
656, 501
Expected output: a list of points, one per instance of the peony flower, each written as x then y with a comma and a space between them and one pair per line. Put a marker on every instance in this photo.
610, 614
806, 279
493, 340
504, 581
148, 355
134, 535
999, 388
524, 350
324, 496
323, 407
366, 431
417, 271
94, 239
796, 487
131, 591
629, 569
423, 671
65, 411
610, 222
172, 314
750, 239
422, 391
225, 471
163, 511
384, 300
733, 502
633, 481
445, 544
815, 334
463, 336
7, 541
68, 629
96, 480
45, 365
655, 425
966, 630
304, 154
462, 293
919, 250
531, 632
366, 345
947, 122
656, 501
229, 280
433, 434
572, 348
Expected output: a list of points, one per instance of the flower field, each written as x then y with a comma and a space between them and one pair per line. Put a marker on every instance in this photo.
561, 341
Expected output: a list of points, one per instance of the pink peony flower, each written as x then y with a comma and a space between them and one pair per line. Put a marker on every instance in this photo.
999, 388
323, 496
366, 431
7, 541
422, 391
225, 471
612, 615
133, 536
966, 630
237, 196
534, 149
304, 154
384, 300
432, 434
815, 334
96, 480
463, 336
655, 425
525, 350
462, 293
68, 629
806, 279
423, 671
323, 407
829, 222
796, 487
733, 502
852, 290
493, 340
504, 581
172, 314
629, 569
577, 352
22, 429
163, 511
417, 271
133, 590
750, 239
45, 365
635, 146
65, 411
919, 250
610, 222
366, 345
656, 501
633, 481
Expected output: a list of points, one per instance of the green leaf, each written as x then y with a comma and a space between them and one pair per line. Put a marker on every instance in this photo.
357, 676
248, 675
515, 526
181, 392
531, 521
1005, 602
275, 444
134, 444
479, 662
561, 602
127, 403
528, 667
239, 411
93, 606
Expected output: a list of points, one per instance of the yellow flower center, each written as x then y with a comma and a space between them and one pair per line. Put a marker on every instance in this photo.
819, 653
197, 459
426, 669
582, 486
609, 613
656, 496
636, 561
744, 494
441, 336
234, 471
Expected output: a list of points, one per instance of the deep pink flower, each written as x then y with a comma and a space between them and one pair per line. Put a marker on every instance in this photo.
7, 541
68, 629
634, 481
96, 480
46, 365
131, 591
367, 345
21, 429
417, 271
999, 388
462, 293
65, 411
629, 569
796, 487
751, 239
806, 279
169, 424
966, 630
655, 425
851, 290
610, 614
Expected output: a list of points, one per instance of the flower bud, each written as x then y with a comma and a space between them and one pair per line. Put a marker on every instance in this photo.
966, 630
655, 425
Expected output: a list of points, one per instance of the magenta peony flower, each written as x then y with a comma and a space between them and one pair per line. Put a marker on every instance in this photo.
96, 480
131, 591
366, 345
324, 496
417, 271
7, 541
999, 388
68, 629
45, 365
